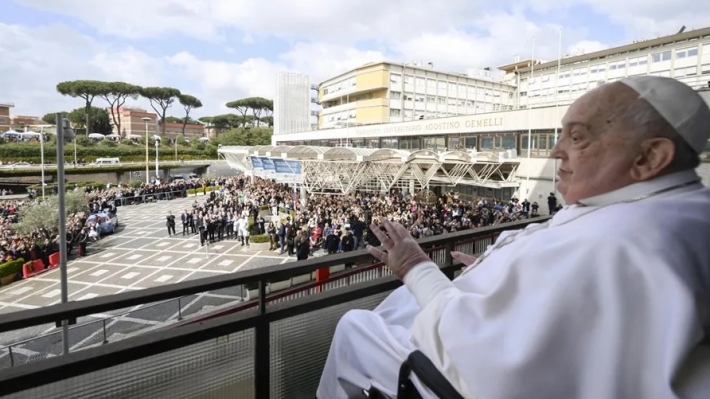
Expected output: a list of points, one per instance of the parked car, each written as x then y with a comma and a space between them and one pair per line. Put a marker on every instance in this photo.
107, 222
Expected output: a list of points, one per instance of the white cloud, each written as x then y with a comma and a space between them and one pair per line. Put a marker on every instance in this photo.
325, 38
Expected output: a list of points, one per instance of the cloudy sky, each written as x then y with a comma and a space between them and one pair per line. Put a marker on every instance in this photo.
222, 50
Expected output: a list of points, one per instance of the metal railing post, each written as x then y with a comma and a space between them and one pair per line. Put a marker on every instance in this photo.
12, 357
262, 350
179, 308
449, 260
104, 327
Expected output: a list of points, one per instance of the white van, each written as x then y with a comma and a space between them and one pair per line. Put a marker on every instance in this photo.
107, 161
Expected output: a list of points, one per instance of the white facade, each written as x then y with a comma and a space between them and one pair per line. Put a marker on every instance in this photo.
292, 103
414, 92
685, 57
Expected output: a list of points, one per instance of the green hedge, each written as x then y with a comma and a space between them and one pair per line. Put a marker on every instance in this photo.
11, 267
84, 170
68, 185
30, 152
259, 239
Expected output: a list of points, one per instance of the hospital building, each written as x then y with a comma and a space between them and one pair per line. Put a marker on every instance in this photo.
415, 108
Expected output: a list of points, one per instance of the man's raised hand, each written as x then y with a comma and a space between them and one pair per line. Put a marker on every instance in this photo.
403, 253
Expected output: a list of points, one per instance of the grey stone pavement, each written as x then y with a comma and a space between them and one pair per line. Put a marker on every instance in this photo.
139, 255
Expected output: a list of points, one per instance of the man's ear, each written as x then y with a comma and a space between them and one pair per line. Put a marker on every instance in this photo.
654, 156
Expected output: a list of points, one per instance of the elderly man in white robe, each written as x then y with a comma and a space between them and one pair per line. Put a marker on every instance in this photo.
609, 299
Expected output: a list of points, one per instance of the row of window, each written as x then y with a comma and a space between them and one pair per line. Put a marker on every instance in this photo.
540, 145
632, 62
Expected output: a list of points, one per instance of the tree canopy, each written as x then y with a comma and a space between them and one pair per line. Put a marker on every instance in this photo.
45, 214
100, 121
258, 106
85, 89
161, 98
188, 103
50, 118
116, 94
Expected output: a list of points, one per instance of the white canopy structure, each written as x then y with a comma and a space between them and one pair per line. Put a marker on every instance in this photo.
347, 169
29, 134
97, 136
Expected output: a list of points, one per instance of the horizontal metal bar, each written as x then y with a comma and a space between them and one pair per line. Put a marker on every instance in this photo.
54, 369
51, 314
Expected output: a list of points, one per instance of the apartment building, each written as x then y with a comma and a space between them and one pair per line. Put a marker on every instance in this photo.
132, 122
19, 122
5, 120
388, 92
684, 56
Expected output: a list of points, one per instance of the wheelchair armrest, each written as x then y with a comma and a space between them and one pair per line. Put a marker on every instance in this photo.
418, 364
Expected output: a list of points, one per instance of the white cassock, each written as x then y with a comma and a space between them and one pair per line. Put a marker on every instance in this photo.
609, 300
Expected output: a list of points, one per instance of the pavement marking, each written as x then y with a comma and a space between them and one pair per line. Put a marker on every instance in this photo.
163, 278
189, 245
72, 269
99, 273
162, 244
163, 258
20, 291
87, 296
108, 255
226, 262
130, 275
194, 260
52, 294
134, 257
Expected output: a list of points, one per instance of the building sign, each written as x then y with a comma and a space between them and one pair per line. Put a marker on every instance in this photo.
283, 166
295, 166
267, 164
470, 123
256, 163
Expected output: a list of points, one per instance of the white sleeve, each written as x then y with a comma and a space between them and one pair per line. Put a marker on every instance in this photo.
582, 325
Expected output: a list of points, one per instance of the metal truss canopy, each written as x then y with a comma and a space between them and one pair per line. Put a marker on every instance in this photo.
348, 169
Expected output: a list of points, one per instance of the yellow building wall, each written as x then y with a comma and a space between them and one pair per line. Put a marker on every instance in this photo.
376, 114
374, 79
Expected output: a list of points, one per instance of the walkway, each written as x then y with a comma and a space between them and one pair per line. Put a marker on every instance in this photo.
139, 255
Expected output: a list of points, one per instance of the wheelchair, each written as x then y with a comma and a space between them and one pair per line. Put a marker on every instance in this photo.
419, 365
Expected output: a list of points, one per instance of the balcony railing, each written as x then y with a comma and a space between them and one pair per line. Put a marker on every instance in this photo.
273, 348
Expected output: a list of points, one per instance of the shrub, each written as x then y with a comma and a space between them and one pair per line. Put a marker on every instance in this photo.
11, 267
259, 239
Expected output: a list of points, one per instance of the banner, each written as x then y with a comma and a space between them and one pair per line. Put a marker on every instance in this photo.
266, 163
256, 163
295, 166
280, 166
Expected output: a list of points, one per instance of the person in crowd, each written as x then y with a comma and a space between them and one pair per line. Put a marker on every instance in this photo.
582, 306
552, 203
303, 247
170, 223
185, 219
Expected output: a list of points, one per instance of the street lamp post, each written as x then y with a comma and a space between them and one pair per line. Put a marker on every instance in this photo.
157, 144
41, 149
63, 132
147, 171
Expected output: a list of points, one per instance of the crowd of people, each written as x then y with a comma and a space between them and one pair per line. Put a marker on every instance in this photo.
238, 209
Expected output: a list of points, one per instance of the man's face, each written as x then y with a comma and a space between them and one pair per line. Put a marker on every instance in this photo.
595, 153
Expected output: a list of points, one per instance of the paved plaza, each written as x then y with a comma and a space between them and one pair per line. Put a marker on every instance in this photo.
139, 255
